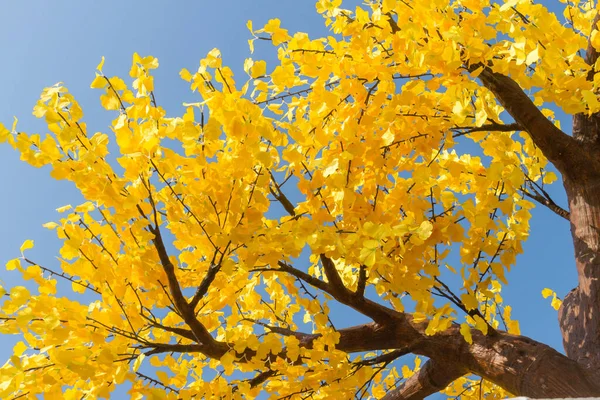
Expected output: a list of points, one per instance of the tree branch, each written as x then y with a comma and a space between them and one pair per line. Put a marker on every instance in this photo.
431, 378
562, 150
552, 206
492, 127
210, 276
378, 312
213, 348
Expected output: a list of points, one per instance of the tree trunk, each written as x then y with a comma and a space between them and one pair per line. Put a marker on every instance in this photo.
580, 313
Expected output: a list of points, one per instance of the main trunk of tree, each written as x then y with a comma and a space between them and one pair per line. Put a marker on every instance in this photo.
580, 313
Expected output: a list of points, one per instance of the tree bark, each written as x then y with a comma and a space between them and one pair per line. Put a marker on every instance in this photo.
518, 364
433, 377
580, 313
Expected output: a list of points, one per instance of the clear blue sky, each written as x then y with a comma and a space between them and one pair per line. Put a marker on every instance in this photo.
43, 42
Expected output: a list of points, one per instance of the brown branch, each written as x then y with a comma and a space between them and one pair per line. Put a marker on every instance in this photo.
158, 348
262, 377
362, 281
335, 281
384, 358
311, 280
156, 382
66, 276
431, 378
376, 311
549, 203
210, 276
178, 331
562, 150
492, 127
213, 348
520, 365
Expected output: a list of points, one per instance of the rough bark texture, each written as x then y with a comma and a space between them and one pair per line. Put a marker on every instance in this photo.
431, 378
580, 313
518, 364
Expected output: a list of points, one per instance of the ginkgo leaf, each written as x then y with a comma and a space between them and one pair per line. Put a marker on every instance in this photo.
533, 56
425, 230
259, 68
28, 244
556, 302
99, 82
549, 177
331, 168
100, 65
481, 324
469, 300
465, 331
508, 4
14, 264
185, 75
138, 362
64, 208
547, 292
19, 348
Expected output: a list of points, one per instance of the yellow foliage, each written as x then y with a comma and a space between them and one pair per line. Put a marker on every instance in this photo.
342, 167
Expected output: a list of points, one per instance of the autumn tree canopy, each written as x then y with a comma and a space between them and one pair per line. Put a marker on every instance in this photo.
390, 168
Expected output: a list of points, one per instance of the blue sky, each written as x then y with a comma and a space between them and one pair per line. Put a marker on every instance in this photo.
46, 42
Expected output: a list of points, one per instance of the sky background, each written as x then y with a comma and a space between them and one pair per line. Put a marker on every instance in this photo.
42, 43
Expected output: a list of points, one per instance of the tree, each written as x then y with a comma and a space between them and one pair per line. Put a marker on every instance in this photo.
369, 169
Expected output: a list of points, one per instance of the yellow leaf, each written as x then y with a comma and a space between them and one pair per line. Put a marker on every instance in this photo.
549, 177
595, 39
556, 302
508, 5
547, 293
19, 349
477, 72
63, 208
19, 295
163, 377
331, 168
185, 75
99, 67
28, 244
5, 134
481, 324
14, 264
533, 56
259, 68
371, 244
99, 82
77, 288
248, 62
388, 5
368, 256
469, 300
227, 362
425, 230
138, 362
213, 58
465, 331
